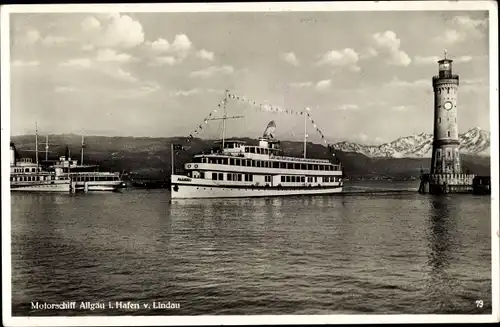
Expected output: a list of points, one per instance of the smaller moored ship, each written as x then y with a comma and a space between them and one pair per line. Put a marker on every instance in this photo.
28, 176
87, 178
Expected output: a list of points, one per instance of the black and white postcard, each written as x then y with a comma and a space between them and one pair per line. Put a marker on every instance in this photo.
250, 163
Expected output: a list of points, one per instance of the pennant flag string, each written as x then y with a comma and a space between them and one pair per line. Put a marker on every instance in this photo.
258, 106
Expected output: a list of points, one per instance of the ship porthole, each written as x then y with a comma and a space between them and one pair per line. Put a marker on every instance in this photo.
189, 166
176, 188
195, 166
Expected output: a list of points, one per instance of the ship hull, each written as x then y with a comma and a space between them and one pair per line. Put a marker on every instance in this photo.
181, 190
98, 186
42, 187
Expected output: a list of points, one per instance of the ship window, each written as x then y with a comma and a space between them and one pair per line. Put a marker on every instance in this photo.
288, 179
224, 161
229, 177
239, 177
221, 176
252, 150
238, 162
275, 164
26, 170
282, 165
231, 161
214, 176
448, 133
302, 179
246, 149
303, 166
282, 179
258, 163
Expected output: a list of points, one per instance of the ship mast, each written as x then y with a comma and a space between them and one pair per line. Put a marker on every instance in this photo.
223, 118
36, 143
46, 147
305, 131
81, 157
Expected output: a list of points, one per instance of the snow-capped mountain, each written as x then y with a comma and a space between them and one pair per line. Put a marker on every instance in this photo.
476, 141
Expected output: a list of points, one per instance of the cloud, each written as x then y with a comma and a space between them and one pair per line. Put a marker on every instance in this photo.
122, 75
343, 58
117, 31
401, 108
177, 50
290, 58
473, 85
32, 37
22, 63
370, 52
204, 54
387, 44
396, 82
159, 45
211, 71
462, 59
166, 60
463, 27
77, 63
64, 89
137, 91
111, 55
88, 47
91, 23
299, 85
181, 43
323, 85
348, 107
194, 92
51, 40
419, 60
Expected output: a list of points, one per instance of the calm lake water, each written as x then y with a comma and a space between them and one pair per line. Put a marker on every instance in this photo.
388, 250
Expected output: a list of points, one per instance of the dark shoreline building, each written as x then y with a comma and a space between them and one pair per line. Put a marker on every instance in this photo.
446, 174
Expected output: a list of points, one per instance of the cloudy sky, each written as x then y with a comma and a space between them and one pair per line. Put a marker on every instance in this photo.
366, 76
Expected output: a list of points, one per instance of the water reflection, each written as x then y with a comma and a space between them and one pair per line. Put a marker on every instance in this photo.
441, 243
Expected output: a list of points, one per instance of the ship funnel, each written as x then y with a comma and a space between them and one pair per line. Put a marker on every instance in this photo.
12, 153
269, 131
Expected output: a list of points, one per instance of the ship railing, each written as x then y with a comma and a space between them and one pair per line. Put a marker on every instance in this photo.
299, 159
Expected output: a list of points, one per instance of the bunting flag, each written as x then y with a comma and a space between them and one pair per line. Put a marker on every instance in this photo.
261, 107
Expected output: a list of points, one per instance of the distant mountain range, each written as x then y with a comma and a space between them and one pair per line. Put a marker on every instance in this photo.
150, 157
476, 142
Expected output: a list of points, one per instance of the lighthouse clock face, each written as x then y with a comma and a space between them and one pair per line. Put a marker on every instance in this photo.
448, 105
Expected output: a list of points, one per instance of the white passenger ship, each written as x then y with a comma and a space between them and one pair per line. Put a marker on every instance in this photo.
241, 170
28, 176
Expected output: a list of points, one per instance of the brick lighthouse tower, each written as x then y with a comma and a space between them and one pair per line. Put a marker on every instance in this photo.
445, 173
445, 155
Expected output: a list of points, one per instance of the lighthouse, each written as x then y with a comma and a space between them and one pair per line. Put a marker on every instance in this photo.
445, 173
445, 152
